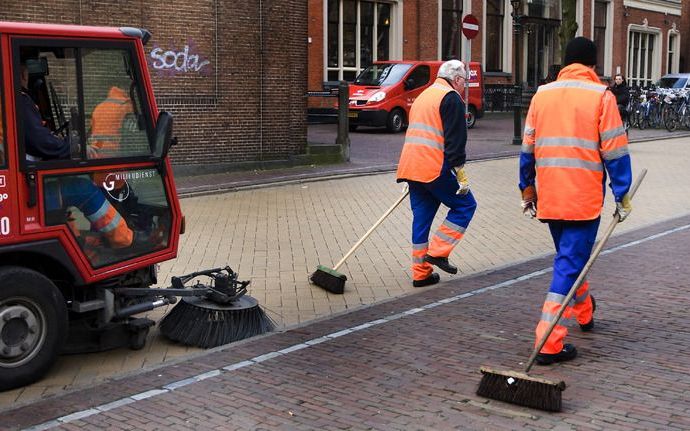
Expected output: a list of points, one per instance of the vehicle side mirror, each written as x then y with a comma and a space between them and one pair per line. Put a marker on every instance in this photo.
409, 83
164, 139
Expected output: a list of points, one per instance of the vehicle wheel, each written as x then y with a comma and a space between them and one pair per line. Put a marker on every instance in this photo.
137, 340
33, 324
352, 127
396, 120
471, 117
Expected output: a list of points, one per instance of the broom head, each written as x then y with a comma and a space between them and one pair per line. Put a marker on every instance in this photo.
521, 389
329, 279
196, 321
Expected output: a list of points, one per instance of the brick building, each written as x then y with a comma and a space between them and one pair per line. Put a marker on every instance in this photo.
232, 73
643, 39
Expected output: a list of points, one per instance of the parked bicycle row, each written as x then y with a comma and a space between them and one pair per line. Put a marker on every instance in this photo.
658, 108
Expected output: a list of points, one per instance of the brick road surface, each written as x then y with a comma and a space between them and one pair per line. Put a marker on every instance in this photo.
276, 236
412, 363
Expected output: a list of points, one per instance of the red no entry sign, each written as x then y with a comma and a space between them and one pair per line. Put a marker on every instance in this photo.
470, 26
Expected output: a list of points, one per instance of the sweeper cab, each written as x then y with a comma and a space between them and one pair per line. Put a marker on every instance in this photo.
88, 205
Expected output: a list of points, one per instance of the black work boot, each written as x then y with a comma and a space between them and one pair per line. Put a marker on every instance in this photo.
569, 352
587, 327
442, 263
432, 279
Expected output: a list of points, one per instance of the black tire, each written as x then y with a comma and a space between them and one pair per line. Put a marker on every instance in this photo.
471, 117
137, 340
33, 324
396, 121
352, 127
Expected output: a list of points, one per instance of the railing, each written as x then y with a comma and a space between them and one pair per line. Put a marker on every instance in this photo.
501, 97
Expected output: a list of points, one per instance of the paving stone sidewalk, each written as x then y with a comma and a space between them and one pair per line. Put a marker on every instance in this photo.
412, 363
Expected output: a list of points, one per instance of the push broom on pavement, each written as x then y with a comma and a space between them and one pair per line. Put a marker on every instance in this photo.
539, 393
334, 281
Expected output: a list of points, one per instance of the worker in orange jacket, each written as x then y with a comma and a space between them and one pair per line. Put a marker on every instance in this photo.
573, 137
432, 162
107, 120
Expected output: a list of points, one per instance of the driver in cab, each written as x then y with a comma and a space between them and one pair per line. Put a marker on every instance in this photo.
69, 191
40, 143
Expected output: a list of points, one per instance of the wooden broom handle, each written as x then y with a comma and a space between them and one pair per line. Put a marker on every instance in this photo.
406, 191
581, 277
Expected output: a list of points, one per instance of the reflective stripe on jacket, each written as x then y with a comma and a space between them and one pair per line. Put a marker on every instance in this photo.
422, 155
572, 132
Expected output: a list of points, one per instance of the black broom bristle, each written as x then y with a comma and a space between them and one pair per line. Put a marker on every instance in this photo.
329, 279
194, 322
521, 389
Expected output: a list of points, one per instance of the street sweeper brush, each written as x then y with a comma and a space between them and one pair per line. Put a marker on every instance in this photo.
214, 314
522, 389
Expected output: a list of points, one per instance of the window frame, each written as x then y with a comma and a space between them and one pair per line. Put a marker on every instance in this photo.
79, 45
651, 62
357, 68
3, 120
501, 38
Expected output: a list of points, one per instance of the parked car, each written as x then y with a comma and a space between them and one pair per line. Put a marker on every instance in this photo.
383, 93
675, 80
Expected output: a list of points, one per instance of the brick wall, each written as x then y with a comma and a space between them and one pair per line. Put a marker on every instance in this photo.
239, 96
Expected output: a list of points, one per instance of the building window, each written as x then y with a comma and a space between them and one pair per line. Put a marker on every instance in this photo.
494, 35
451, 16
641, 49
358, 34
672, 60
600, 18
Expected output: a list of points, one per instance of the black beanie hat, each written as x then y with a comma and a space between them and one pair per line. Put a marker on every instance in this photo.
581, 50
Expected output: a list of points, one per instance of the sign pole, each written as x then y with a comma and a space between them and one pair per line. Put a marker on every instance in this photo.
468, 56
470, 29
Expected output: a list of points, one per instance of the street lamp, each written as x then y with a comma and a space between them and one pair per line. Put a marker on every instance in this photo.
517, 93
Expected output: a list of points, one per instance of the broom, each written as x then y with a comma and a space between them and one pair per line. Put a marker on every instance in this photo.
520, 388
332, 280
214, 314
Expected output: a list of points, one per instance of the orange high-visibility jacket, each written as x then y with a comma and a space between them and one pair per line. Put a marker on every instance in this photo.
422, 154
572, 127
106, 121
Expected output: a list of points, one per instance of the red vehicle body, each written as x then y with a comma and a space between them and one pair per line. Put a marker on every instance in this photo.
383, 93
57, 276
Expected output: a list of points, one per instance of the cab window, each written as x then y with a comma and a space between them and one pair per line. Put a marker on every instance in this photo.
114, 124
2, 125
80, 103
115, 215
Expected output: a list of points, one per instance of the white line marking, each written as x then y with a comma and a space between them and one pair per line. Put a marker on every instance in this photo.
270, 355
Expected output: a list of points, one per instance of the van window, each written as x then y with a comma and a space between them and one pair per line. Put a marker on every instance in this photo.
420, 77
382, 74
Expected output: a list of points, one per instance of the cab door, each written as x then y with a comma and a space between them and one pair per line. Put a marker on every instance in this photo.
86, 151
415, 82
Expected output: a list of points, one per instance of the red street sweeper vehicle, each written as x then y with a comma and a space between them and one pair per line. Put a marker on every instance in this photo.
88, 206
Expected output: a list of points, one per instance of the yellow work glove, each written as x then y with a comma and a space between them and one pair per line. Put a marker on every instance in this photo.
529, 202
463, 181
623, 208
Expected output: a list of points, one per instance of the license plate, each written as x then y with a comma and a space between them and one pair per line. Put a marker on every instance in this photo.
353, 114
